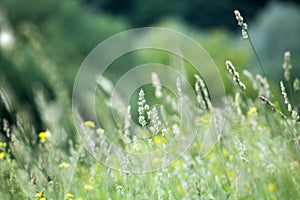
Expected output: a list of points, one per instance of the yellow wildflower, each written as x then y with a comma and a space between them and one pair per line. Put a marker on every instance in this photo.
180, 189
252, 112
157, 140
43, 198
100, 130
39, 194
69, 196
2, 154
230, 175
90, 124
98, 165
88, 187
225, 152
2, 144
64, 165
271, 187
176, 164
228, 156
43, 135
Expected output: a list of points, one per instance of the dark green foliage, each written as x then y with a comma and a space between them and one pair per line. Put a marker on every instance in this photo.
198, 13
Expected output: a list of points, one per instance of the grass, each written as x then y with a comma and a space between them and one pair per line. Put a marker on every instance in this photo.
255, 157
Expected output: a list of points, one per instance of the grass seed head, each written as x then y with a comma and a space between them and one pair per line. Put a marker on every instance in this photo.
287, 66
285, 98
235, 74
242, 24
296, 85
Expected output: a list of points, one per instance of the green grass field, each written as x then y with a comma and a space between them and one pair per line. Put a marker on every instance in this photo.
255, 156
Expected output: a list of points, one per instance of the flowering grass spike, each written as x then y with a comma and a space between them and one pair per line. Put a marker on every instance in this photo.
241, 23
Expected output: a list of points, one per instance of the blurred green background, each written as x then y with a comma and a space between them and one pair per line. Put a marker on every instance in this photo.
42, 43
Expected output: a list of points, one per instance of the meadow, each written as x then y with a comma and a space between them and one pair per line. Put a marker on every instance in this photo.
254, 156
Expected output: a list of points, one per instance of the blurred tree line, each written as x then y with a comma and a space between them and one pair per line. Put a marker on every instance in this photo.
199, 13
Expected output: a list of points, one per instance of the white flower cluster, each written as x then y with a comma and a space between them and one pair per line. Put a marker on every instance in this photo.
295, 115
242, 149
155, 121
142, 108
